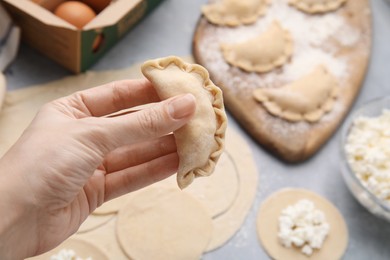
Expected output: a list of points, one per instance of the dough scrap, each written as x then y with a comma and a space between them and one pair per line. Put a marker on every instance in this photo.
227, 224
308, 98
234, 12
163, 223
200, 142
267, 226
270, 50
82, 248
317, 6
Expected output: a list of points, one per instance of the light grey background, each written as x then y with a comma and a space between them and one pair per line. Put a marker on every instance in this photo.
168, 31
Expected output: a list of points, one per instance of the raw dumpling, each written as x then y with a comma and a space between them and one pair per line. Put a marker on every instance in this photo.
234, 12
200, 142
317, 6
308, 98
261, 54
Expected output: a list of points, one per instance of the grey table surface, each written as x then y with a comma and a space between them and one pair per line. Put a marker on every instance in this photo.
168, 31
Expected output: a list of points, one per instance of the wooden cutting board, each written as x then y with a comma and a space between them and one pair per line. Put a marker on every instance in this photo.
340, 40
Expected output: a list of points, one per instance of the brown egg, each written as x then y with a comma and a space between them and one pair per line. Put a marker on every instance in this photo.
75, 12
97, 5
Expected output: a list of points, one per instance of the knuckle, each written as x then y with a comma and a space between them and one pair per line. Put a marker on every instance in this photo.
119, 95
150, 121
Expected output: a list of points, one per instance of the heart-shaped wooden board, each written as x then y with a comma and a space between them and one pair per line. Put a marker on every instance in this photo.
339, 39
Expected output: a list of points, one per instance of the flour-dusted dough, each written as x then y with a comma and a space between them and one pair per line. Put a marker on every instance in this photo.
317, 6
234, 12
267, 226
93, 222
200, 142
82, 248
227, 224
308, 98
269, 50
163, 223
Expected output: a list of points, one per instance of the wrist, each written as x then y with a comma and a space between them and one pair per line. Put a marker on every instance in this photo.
13, 225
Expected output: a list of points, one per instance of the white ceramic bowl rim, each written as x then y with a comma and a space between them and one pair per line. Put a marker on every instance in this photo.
344, 134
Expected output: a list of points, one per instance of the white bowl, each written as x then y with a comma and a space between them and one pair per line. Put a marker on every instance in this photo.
368, 199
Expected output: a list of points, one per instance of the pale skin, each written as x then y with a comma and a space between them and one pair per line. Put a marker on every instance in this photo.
72, 158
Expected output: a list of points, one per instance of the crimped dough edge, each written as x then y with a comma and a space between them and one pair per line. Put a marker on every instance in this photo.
261, 68
185, 179
330, 5
310, 116
234, 21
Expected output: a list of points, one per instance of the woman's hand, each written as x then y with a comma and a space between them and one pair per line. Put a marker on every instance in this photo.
73, 157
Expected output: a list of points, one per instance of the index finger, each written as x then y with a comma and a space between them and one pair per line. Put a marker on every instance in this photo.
116, 96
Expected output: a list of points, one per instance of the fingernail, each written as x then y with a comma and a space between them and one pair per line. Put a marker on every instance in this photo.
181, 106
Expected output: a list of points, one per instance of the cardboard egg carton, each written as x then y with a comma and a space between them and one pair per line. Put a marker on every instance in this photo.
75, 49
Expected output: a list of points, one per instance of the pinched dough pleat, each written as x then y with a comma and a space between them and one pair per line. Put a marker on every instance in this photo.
200, 142
234, 12
308, 98
269, 50
317, 6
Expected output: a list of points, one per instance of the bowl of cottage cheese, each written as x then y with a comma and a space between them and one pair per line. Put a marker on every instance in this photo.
365, 150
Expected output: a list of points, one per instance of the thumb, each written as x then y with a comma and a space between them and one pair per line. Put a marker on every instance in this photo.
161, 119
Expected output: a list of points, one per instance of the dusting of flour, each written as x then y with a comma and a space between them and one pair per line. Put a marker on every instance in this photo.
316, 38
309, 32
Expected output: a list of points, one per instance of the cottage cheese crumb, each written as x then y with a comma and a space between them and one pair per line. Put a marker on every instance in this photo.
302, 225
67, 254
368, 153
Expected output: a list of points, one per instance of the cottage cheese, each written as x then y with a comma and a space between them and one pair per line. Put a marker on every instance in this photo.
368, 153
67, 254
302, 225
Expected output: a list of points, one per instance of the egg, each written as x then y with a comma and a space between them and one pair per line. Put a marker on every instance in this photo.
75, 12
97, 5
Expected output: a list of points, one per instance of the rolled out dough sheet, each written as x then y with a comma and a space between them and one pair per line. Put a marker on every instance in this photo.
227, 224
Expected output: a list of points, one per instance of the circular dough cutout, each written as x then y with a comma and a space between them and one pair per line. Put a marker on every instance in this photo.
93, 222
82, 249
163, 223
267, 226
227, 224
